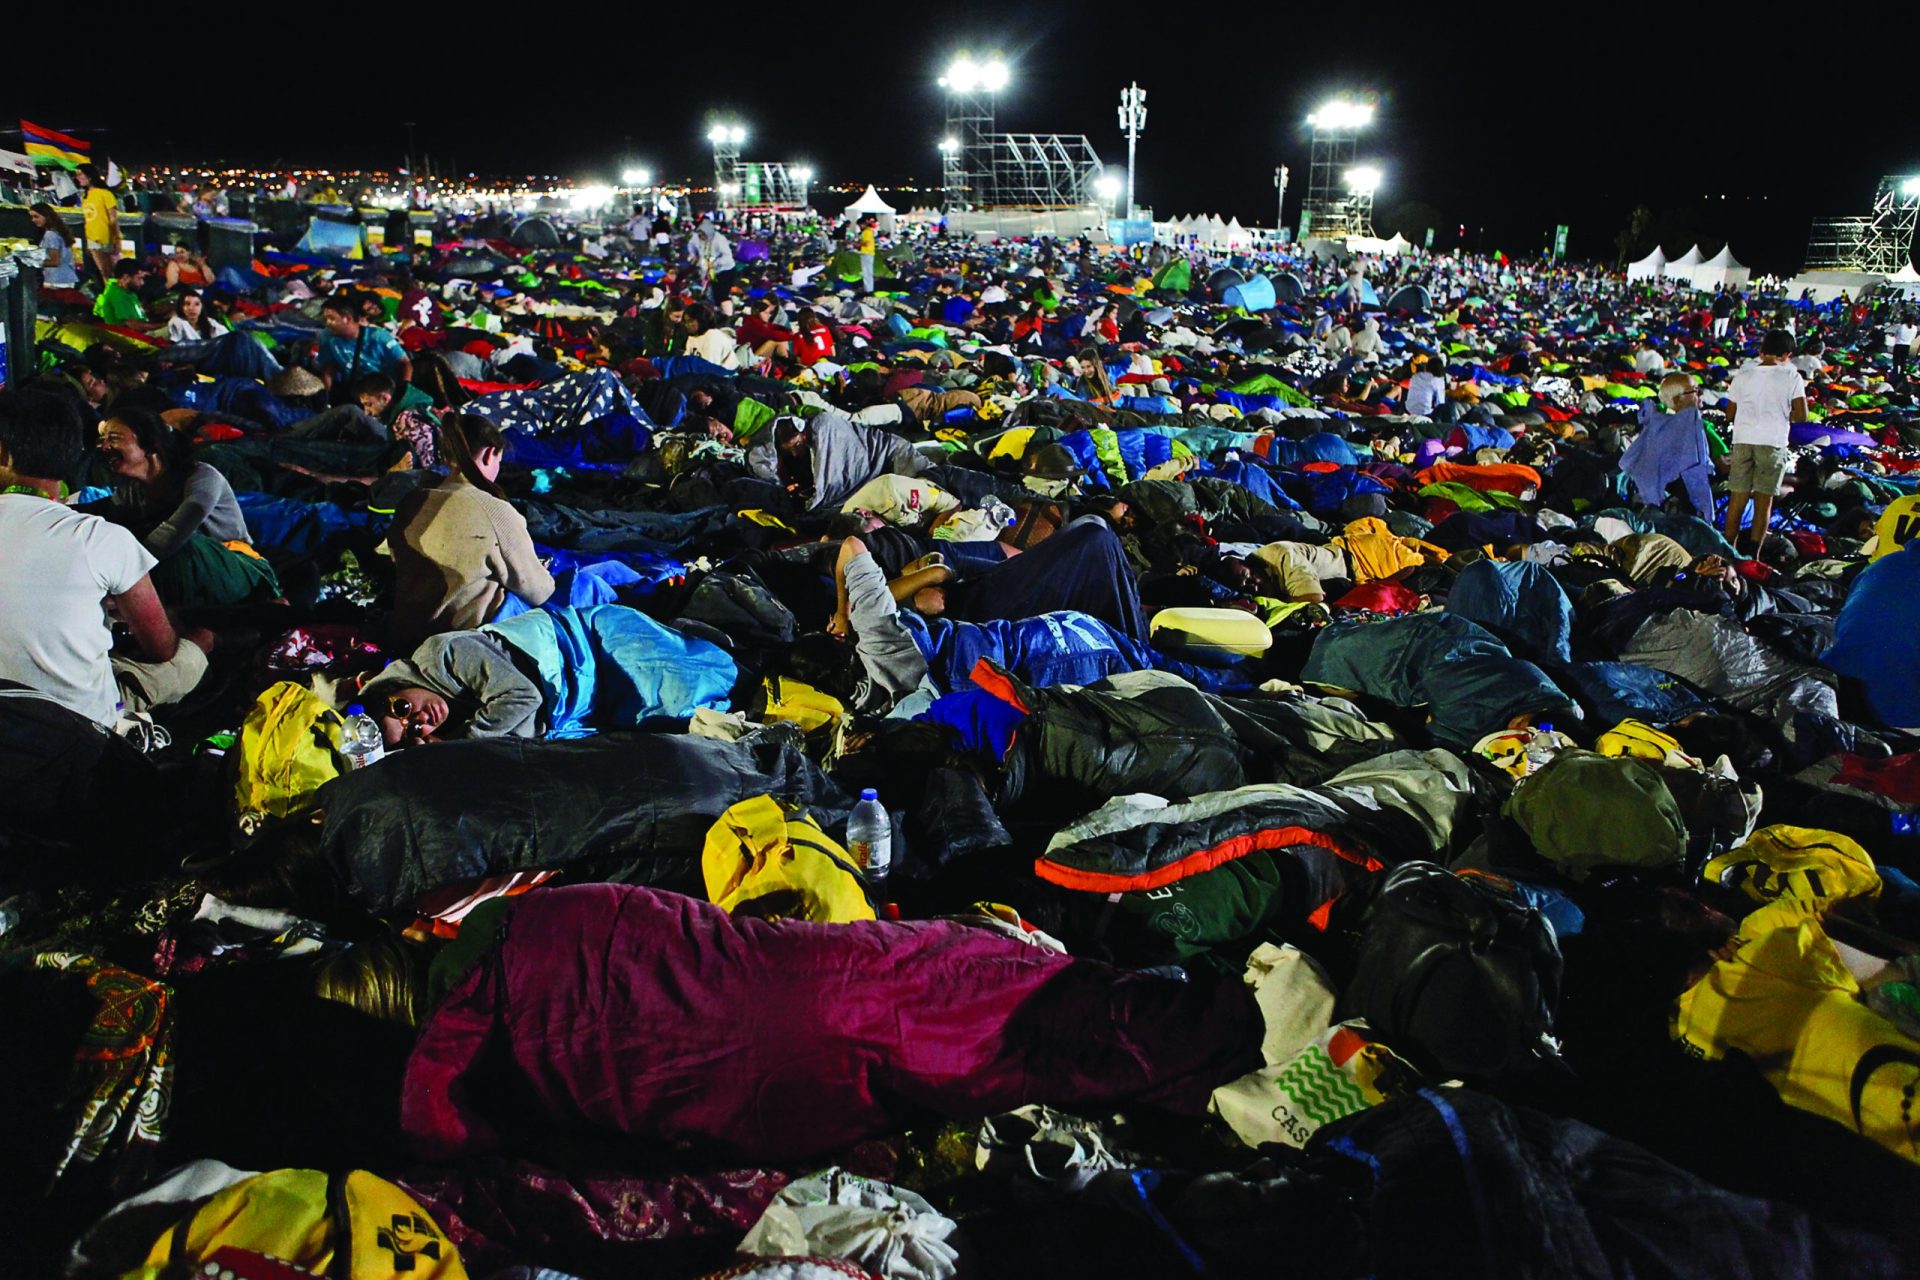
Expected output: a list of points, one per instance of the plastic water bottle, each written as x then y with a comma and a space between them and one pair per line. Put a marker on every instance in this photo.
1540, 747
360, 738
870, 839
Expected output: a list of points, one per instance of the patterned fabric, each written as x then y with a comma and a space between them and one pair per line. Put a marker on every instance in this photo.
495, 1211
573, 401
122, 1081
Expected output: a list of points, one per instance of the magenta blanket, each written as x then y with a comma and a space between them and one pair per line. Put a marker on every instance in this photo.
627, 1011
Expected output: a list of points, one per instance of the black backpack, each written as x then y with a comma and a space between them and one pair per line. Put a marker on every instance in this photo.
1456, 971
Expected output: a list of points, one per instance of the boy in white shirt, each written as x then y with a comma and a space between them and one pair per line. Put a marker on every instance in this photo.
1766, 399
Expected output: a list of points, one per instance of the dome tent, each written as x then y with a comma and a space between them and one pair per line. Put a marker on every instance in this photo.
1651, 267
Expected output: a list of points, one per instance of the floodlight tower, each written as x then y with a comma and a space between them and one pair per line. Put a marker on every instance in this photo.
1336, 129
1107, 186
1362, 181
1133, 119
726, 140
953, 172
971, 85
802, 176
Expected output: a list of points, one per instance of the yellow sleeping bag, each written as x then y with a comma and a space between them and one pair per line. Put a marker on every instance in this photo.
1204, 631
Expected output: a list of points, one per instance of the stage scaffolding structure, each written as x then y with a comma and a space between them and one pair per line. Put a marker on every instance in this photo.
985, 169
1879, 243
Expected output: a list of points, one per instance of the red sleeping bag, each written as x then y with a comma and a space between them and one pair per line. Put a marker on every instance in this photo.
628, 1011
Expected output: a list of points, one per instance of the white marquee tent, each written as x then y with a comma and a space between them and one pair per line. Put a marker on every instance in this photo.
1681, 268
1651, 267
1720, 269
870, 202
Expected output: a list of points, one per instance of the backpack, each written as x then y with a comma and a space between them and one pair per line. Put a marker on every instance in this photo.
1584, 811
289, 747
1457, 970
764, 860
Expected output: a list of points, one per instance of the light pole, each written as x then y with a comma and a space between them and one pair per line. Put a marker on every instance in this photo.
726, 140
803, 174
1133, 119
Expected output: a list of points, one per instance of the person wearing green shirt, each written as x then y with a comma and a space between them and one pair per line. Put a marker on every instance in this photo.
119, 302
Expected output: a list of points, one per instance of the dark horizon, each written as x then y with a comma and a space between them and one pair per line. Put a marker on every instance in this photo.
1507, 125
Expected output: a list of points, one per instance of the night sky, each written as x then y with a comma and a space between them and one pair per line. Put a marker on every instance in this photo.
1505, 118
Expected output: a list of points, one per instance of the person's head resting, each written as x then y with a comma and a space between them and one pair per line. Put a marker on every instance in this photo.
374, 393
41, 435
475, 448
341, 314
1776, 346
1677, 392
790, 436
408, 715
138, 445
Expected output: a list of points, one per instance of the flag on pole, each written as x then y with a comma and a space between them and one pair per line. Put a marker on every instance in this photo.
49, 146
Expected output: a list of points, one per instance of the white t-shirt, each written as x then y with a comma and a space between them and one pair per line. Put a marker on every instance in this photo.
1765, 394
59, 567
1426, 391
1901, 335
1647, 360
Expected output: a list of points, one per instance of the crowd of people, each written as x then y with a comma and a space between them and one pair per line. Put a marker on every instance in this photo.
1390, 766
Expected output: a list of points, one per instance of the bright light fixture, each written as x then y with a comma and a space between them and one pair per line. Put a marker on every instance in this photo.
965, 75
1342, 113
1106, 186
803, 175
594, 197
737, 135
721, 133
949, 145
1363, 180
1911, 187
636, 177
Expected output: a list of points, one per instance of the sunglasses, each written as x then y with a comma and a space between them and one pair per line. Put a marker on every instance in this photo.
399, 708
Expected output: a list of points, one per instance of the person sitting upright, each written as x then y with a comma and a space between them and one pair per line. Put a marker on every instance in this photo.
353, 348
65, 572
458, 547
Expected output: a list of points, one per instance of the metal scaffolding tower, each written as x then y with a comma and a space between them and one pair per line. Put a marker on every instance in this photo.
764, 185
968, 165
1042, 171
1880, 242
1325, 212
726, 140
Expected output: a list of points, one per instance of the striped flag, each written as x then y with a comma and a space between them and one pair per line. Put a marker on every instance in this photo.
50, 146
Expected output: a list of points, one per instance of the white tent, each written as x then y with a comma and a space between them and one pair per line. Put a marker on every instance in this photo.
1651, 267
870, 202
1905, 275
1236, 234
1397, 246
1681, 268
1720, 269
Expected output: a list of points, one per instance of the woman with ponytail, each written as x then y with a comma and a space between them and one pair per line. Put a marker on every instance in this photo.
458, 548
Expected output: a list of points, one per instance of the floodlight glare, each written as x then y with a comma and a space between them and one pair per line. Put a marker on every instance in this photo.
993, 76
1342, 113
803, 175
1106, 186
717, 134
636, 177
1363, 180
737, 135
1911, 187
963, 76
949, 145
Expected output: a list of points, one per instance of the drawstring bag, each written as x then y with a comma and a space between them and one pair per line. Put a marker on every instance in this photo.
289, 748
762, 860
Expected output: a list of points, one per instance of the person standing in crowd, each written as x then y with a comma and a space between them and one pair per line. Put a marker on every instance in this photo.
102, 214
868, 227
59, 271
1900, 339
711, 254
1722, 311
352, 347
1764, 401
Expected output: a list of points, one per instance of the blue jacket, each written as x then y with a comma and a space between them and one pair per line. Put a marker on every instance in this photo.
1063, 647
1877, 639
608, 666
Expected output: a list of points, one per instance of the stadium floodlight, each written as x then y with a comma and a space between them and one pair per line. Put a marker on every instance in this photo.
717, 134
723, 134
949, 145
1342, 113
592, 197
1363, 180
737, 135
964, 75
1910, 188
1106, 186
803, 175
636, 177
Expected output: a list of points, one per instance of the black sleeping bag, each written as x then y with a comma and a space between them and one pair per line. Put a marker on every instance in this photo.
627, 807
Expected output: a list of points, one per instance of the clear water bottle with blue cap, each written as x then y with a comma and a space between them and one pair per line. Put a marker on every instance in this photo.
870, 840
361, 741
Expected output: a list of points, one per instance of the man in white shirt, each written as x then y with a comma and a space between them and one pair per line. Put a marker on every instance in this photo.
1648, 358
63, 571
1900, 336
1765, 400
